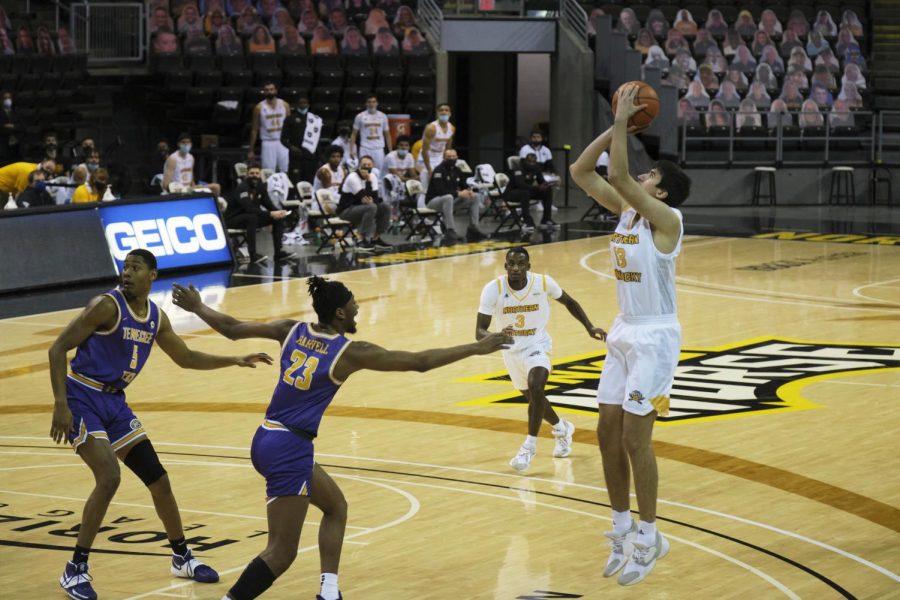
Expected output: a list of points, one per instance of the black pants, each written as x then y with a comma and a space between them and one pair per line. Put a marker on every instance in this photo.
253, 221
302, 168
523, 197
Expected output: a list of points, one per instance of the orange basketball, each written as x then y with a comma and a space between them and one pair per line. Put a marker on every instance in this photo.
646, 95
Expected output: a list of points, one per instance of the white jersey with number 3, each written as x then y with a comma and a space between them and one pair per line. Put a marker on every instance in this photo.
645, 277
526, 310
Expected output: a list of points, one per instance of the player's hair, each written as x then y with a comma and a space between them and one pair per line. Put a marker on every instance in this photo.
184, 136
403, 138
148, 257
518, 250
327, 296
269, 82
442, 104
370, 96
674, 181
334, 148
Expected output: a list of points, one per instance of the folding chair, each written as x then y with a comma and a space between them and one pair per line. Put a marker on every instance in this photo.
510, 214
513, 163
421, 221
335, 228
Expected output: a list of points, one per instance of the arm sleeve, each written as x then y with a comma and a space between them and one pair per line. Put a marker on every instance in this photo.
266, 201
525, 151
357, 125
489, 296
553, 289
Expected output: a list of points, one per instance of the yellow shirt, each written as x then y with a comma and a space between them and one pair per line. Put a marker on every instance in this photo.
83, 193
14, 177
416, 149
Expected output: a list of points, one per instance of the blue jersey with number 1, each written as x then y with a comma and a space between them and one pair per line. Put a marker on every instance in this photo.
307, 384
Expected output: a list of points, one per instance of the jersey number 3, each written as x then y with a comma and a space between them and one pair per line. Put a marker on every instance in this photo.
299, 360
620, 257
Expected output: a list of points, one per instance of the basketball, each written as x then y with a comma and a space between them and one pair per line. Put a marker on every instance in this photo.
646, 95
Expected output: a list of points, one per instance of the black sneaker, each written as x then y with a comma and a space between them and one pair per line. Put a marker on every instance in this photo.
258, 258
365, 246
475, 234
380, 244
282, 255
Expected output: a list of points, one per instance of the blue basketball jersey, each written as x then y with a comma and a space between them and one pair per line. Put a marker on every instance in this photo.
307, 383
114, 358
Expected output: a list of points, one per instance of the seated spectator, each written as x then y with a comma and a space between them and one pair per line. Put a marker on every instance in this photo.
267, 8
853, 75
164, 42
404, 20
685, 62
697, 96
744, 25
656, 58
657, 24
592, 19
190, 21
738, 79
821, 96
759, 96
717, 61
816, 44
644, 40
628, 22
331, 175
771, 58
744, 60
676, 78
800, 60
732, 42
399, 163
36, 193
376, 21
6, 45
280, 21
851, 22
45, 45
160, 19
291, 42
788, 42
687, 114
748, 115
840, 115
850, 95
308, 22
248, 21
354, 44
790, 95
704, 43
323, 41
824, 24
715, 23
93, 189
250, 208
717, 116
385, 43
261, 42
337, 21
706, 77
215, 19
675, 41
798, 77
826, 57
24, 43
357, 7
761, 39
528, 183
810, 115
728, 95
414, 43
235, 8
685, 24
362, 205
798, 24
779, 115
853, 56
822, 76
769, 23
227, 42
844, 39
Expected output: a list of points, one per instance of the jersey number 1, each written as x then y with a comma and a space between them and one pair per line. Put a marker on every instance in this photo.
299, 360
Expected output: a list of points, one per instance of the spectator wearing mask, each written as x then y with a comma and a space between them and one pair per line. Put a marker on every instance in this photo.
9, 137
93, 189
447, 189
36, 193
400, 162
179, 168
250, 208
362, 205
300, 135
526, 184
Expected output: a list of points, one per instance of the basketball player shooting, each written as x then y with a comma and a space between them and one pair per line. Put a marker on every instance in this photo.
645, 339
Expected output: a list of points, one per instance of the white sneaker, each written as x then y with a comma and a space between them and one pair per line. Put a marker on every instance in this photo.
618, 551
563, 435
522, 460
642, 560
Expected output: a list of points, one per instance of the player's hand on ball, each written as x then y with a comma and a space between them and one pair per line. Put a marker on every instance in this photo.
251, 359
597, 333
62, 423
626, 106
187, 298
493, 342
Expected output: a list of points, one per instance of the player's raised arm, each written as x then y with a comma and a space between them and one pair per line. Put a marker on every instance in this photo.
188, 298
584, 173
186, 358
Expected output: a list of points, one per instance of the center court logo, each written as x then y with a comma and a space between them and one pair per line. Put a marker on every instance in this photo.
750, 377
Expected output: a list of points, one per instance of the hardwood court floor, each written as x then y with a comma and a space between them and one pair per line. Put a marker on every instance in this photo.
778, 471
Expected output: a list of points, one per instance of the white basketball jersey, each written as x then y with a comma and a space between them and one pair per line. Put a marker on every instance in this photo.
271, 120
184, 168
337, 178
527, 310
439, 142
371, 129
645, 277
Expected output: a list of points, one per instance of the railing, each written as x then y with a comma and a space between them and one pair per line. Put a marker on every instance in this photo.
574, 16
109, 32
777, 147
431, 18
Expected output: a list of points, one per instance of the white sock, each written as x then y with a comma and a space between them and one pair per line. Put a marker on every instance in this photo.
621, 521
560, 426
531, 441
646, 533
329, 589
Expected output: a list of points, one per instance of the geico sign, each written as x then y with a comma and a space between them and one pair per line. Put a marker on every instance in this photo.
164, 237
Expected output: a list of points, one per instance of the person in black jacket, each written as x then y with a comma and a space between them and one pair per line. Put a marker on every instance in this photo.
528, 183
36, 193
361, 205
250, 207
293, 133
447, 188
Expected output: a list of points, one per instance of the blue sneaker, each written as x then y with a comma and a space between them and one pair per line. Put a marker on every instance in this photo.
76, 581
190, 568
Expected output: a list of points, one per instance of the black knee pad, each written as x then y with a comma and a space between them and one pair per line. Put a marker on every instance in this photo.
143, 462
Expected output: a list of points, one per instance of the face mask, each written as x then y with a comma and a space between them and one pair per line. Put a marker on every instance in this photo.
372, 111
303, 111
449, 161
92, 167
7, 104
444, 118
40, 185
401, 153
185, 148
270, 96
